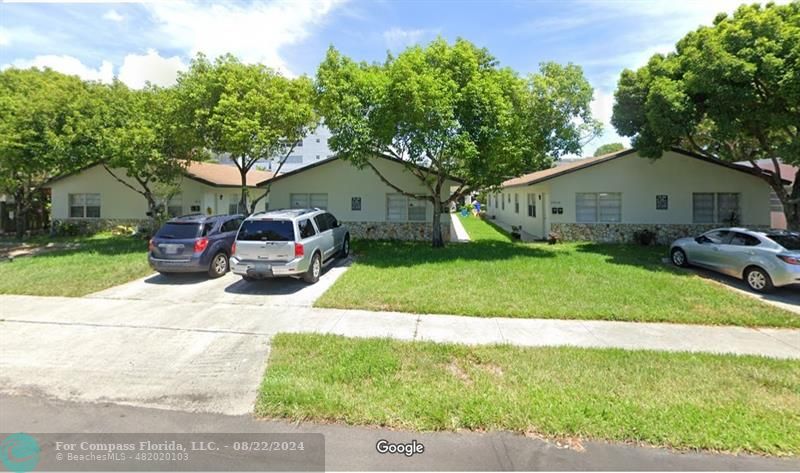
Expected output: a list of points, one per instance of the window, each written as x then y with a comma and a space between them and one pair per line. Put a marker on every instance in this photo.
233, 203
179, 231
400, 208
304, 201
306, 228
516, 203
84, 205
322, 222
742, 239
532, 205
787, 240
503, 201
355, 204
603, 207
175, 206
708, 207
231, 225
728, 208
266, 230
717, 237
294, 159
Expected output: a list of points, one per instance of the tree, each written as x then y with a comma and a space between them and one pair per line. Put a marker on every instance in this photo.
143, 135
45, 130
731, 91
247, 111
450, 110
608, 148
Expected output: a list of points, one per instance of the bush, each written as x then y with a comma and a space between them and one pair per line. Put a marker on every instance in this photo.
644, 237
71, 228
553, 238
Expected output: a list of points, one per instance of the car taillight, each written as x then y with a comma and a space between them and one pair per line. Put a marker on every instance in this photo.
789, 259
299, 250
200, 245
150, 245
233, 248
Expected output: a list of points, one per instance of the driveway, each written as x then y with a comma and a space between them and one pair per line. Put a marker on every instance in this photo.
229, 289
787, 297
185, 342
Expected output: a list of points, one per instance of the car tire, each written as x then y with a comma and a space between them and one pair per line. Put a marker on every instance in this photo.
166, 273
678, 258
219, 265
314, 270
248, 279
758, 280
345, 252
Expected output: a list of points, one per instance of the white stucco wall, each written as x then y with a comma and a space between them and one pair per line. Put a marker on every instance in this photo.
122, 203
342, 181
639, 180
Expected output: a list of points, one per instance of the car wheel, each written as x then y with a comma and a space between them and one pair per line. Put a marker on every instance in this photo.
248, 279
758, 280
314, 270
345, 247
679, 258
218, 266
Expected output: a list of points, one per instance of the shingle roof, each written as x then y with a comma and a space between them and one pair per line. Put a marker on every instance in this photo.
788, 172
225, 175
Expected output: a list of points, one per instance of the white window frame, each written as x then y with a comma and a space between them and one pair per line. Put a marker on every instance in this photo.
598, 199
311, 198
402, 210
84, 204
716, 212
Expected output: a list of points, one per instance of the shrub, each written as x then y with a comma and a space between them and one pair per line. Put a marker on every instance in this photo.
553, 238
71, 228
644, 237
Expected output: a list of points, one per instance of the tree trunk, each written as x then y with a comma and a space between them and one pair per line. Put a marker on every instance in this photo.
438, 241
243, 202
792, 212
20, 213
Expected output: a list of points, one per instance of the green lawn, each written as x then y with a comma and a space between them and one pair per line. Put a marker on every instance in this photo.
679, 400
99, 262
494, 276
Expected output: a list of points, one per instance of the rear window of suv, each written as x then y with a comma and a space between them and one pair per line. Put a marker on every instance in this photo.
266, 230
179, 231
788, 241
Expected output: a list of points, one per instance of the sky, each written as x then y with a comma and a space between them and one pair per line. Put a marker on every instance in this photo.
152, 41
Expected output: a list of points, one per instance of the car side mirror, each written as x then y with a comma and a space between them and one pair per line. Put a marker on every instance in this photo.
701, 239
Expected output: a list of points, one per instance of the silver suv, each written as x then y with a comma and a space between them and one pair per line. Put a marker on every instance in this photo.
296, 242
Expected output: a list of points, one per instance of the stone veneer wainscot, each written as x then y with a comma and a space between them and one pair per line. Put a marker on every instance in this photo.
623, 232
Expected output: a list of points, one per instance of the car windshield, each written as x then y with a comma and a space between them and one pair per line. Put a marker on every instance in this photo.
179, 231
788, 240
266, 230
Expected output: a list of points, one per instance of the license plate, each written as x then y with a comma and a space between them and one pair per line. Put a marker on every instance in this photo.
263, 267
170, 249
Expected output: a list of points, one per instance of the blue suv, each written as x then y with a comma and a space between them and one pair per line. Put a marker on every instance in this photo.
194, 243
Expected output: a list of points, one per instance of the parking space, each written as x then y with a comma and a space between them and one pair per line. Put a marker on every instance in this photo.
229, 289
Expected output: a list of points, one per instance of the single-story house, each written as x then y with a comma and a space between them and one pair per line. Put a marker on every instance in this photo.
610, 197
359, 198
95, 196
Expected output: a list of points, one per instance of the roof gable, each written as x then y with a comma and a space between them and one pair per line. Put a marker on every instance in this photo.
558, 171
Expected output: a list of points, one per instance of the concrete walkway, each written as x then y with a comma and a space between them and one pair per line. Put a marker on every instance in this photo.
261, 320
459, 233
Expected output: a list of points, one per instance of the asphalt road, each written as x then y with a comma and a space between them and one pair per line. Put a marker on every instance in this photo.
354, 448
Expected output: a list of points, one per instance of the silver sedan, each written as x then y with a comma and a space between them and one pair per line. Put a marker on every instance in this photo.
764, 260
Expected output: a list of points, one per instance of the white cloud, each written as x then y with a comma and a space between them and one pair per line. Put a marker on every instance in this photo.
5, 38
399, 38
137, 69
254, 32
113, 15
67, 65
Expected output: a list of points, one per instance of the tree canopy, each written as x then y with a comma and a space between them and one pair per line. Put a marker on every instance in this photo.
730, 91
247, 111
47, 128
143, 135
450, 110
608, 148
